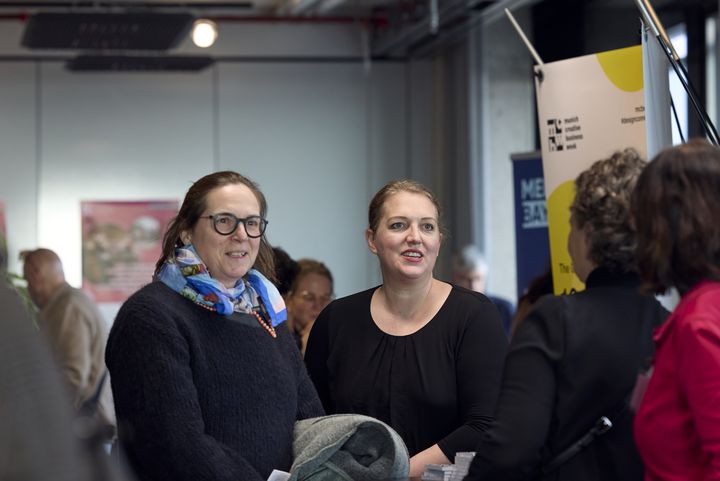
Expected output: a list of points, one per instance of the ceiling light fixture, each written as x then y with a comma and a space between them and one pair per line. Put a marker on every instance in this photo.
204, 33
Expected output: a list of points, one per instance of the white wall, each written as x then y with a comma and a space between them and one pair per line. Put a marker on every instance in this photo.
508, 127
115, 137
319, 137
301, 132
18, 150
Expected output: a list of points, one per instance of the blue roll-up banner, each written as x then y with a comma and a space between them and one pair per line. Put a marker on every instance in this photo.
532, 247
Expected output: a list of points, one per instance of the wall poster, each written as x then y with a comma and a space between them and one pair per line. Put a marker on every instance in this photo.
121, 241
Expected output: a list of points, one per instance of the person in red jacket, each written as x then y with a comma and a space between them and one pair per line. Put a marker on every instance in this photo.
676, 205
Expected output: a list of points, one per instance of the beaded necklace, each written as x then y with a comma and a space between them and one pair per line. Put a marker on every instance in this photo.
270, 330
268, 327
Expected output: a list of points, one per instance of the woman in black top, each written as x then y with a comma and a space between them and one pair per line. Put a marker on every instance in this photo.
576, 358
415, 352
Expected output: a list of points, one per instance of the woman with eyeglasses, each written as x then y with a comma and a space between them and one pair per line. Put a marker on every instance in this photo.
311, 291
207, 386
420, 354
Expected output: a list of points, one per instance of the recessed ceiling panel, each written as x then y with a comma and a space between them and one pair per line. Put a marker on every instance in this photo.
138, 63
106, 31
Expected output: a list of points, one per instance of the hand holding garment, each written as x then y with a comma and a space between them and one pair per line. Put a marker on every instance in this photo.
347, 447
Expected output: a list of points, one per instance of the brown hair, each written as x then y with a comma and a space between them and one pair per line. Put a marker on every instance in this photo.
193, 207
602, 205
286, 268
395, 187
676, 206
310, 266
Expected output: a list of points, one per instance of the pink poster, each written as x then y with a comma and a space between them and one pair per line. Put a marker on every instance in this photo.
121, 241
3, 238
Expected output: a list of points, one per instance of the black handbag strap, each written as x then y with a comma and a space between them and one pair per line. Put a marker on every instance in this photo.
602, 426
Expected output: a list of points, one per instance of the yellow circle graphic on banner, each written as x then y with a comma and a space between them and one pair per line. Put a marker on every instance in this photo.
623, 67
558, 208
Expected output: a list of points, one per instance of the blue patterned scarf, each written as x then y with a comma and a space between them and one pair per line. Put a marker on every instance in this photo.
187, 274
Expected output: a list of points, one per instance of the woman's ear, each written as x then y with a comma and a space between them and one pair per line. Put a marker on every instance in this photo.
370, 239
186, 237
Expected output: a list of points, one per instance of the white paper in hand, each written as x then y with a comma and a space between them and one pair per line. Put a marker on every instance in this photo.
278, 476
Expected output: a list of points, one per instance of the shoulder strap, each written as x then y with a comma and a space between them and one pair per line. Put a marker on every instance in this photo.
602, 425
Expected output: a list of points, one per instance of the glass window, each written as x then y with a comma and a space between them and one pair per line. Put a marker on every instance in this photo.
711, 68
678, 37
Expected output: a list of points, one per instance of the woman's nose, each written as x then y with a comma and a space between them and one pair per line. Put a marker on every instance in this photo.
240, 233
413, 234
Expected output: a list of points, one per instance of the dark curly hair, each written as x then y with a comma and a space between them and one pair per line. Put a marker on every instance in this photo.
602, 208
676, 206
286, 269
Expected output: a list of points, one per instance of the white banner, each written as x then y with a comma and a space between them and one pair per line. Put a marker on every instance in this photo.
588, 108
657, 95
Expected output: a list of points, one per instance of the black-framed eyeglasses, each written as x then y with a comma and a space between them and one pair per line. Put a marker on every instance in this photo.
226, 224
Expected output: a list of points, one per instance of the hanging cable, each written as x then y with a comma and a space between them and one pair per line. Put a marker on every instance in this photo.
677, 120
651, 20
707, 124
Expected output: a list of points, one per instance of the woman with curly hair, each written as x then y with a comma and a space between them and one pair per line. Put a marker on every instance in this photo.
574, 360
677, 207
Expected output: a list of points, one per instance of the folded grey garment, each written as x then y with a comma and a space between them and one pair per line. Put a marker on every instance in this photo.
348, 447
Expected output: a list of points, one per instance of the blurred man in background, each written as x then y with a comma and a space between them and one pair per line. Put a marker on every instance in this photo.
40, 439
470, 270
76, 332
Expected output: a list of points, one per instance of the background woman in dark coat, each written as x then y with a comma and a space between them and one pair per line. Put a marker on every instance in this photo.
576, 358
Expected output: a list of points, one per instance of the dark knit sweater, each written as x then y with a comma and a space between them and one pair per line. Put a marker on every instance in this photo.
200, 396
